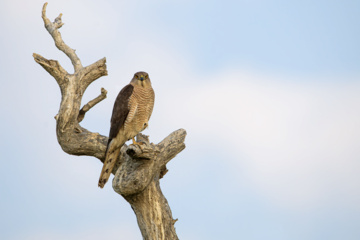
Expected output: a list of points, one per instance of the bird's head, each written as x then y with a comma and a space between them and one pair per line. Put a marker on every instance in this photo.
141, 79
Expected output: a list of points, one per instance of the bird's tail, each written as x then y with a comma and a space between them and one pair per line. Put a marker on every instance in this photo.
112, 153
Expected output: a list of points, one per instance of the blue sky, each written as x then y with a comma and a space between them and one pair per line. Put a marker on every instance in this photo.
301, 36
268, 92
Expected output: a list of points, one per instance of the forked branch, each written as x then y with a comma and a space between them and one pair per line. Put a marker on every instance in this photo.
71, 136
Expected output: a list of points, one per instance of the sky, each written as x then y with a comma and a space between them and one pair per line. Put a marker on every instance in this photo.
268, 92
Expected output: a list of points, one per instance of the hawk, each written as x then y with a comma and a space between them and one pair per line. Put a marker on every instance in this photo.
131, 113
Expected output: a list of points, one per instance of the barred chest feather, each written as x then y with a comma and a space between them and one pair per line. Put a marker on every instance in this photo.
143, 99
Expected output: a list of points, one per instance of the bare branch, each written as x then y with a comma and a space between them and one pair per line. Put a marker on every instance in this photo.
91, 104
72, 138
174, 143
53, 67
93, 72
52, 28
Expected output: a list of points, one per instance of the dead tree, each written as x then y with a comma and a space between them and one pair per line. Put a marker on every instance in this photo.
138, 168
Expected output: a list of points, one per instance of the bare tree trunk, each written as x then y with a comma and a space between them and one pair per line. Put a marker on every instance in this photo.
137, 180
139, 167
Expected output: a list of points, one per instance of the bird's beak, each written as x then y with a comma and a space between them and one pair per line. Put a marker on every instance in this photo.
141, 77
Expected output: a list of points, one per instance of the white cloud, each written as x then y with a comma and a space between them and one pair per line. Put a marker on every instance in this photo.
300, 139
297, 138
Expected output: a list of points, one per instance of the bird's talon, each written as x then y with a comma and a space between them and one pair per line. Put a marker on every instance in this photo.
137, 143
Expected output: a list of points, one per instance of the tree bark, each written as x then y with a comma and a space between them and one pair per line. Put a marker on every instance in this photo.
139, 167
137, 180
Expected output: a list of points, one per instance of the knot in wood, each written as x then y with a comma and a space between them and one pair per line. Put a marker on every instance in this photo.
141, 151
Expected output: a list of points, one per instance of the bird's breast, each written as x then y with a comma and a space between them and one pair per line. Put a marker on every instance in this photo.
143, 98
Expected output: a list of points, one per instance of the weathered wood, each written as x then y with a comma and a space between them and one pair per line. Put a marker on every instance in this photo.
139, 167
52, 28
73, 138
91, 104
137, 180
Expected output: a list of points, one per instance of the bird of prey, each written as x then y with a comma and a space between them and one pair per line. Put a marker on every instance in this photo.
131, 113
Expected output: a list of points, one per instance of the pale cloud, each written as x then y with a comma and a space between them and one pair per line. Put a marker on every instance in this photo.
300, 139
297, 136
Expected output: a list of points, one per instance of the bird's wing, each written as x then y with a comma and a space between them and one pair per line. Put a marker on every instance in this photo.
121, 110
